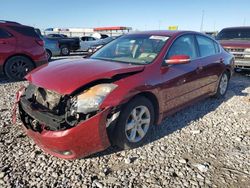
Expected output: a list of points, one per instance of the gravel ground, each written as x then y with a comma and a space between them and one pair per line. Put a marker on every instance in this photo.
206, 145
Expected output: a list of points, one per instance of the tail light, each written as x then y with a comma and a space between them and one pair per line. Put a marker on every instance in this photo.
40, 42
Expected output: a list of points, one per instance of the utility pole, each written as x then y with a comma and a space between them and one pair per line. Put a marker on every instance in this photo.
159, 24
244, 22
202, 20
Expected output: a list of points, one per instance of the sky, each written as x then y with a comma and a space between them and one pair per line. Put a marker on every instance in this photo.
138, 14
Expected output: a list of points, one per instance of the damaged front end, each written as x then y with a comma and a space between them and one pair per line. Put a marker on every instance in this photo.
43, 109
67, 126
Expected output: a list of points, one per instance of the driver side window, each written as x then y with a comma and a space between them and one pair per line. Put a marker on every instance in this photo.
184, 45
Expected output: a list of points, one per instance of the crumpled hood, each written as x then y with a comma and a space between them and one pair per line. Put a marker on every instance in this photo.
235, 43
65, 76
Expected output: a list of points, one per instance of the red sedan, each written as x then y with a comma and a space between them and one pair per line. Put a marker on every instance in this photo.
73, 108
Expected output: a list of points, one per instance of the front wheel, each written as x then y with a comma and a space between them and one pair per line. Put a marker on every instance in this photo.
134, 124
222, 86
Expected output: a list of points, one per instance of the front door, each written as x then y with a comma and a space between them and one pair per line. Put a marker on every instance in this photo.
180, 81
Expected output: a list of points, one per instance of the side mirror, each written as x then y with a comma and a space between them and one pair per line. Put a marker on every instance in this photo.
178, 59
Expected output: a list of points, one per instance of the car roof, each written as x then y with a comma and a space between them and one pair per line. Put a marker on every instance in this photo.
169, 33
87, 37
239, 27
11, 23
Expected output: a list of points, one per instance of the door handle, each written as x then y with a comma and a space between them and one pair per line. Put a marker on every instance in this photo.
199, 69
221, 60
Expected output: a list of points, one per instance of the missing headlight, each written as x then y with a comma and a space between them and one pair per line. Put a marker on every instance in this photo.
45, 109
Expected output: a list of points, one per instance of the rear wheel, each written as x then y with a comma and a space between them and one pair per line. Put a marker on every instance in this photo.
223, 85
65, 50
17, 67
134, 124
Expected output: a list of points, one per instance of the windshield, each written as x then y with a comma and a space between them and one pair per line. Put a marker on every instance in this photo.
132, 49
234, 34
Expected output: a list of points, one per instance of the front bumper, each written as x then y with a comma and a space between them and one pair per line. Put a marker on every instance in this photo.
86, 138
242, 57
242, 64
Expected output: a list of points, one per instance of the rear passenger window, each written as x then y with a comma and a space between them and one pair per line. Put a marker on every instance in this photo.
206, 46
27, 31
4, 34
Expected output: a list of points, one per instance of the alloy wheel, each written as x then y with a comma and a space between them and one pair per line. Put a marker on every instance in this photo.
223, 84
137, 124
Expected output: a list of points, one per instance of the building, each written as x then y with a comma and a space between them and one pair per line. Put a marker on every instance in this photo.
78, 32
117, 30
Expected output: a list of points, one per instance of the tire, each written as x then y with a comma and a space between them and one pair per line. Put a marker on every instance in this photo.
49, 54
222, 86
65, 50
17, 67
130, 133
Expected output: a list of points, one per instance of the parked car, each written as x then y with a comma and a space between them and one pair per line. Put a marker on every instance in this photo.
73, 108
96, 36
99, 44
52, 48
212, 34
66, 44
57, 36
86, 45
21, 50
103, 36
88, 38
99, 35
93, 49
236, 40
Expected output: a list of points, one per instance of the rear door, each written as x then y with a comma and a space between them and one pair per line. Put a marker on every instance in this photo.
180, 81
7, 45
210, 64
